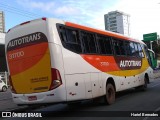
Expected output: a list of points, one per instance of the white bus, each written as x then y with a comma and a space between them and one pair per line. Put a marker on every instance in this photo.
52, 61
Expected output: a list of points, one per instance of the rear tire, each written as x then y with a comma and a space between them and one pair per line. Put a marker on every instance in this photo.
110, 94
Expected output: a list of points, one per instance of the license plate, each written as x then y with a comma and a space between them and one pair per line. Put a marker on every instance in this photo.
31, 98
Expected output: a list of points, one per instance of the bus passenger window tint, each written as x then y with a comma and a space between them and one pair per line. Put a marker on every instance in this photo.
136, 53
127, 49
104, 44
62, 33
89, 43
116, 47
122, 47
70, 39
132, 48
140, 51
119, 47
73, 41
72, 36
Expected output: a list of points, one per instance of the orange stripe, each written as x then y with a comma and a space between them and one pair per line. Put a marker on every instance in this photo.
102, 63
101, 32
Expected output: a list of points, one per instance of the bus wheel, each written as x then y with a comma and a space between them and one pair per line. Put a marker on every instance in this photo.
110, 94
144, 87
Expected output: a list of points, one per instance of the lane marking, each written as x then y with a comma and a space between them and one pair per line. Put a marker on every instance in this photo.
154, 85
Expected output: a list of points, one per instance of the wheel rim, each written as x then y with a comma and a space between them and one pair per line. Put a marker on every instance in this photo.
110, 94
145, 83
4, 89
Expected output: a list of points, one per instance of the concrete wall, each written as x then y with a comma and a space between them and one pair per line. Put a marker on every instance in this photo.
3, 65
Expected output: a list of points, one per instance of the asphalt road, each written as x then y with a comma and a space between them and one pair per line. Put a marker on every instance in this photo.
130, 100
6, 101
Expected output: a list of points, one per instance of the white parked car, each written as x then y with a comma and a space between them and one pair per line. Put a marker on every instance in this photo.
3, 86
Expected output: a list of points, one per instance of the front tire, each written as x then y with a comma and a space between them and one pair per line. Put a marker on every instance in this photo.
110, 94
144, 86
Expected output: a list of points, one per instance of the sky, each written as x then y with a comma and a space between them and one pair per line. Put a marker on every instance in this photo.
144, 14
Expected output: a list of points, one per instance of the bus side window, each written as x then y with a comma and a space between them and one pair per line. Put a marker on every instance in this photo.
141, 54
70, 39
72, 36
132, 48
62, 33
73, 41
89, 43
119, 47
122, 47
104, 44
127, 48
136, 53
116, 47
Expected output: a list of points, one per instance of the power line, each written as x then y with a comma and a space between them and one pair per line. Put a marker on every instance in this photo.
15, 10
18, 13
6, 4
20, 10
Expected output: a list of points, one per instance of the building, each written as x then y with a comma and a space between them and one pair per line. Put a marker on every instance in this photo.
117, 21
2, 22
2, 38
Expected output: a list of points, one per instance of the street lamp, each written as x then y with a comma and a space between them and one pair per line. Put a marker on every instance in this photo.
151, 44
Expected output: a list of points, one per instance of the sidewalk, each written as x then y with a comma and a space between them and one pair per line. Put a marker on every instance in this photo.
156, 73
6, 101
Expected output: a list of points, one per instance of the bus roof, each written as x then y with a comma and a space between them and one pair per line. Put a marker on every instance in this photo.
70, 24
26, 23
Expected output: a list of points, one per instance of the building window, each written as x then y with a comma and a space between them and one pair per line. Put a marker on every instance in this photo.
112, 18
113, 25
113, 21
113, 29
